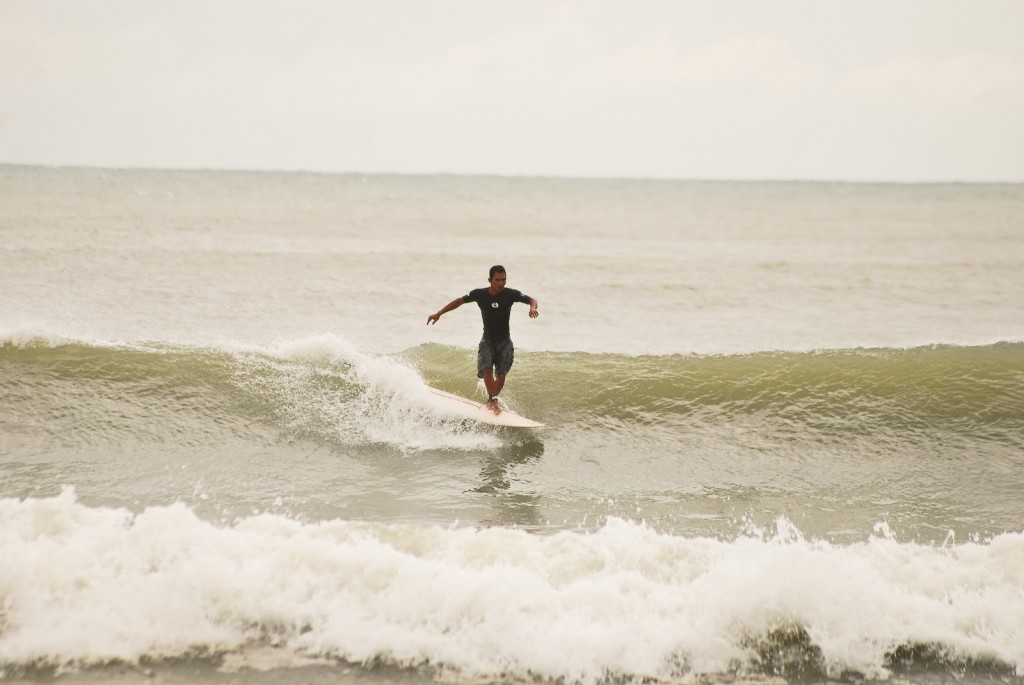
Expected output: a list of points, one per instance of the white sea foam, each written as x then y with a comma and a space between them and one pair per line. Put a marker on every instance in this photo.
28, 334
392, 404
81, 584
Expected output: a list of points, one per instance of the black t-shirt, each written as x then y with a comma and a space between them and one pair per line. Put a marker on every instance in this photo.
496, 309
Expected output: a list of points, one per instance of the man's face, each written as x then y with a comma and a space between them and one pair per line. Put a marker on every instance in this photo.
497, 281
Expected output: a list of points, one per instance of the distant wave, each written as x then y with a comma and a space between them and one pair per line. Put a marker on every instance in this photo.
324, 388
86, 585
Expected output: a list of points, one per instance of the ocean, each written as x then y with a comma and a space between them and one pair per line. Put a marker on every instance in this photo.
784, 434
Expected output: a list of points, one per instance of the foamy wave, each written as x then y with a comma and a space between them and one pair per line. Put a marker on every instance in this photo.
321, 387
392, 406
31, 335
82, 585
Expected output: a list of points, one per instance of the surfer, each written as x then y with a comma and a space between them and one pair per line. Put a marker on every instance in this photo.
494, 356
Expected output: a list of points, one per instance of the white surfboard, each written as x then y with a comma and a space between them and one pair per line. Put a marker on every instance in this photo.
460, 406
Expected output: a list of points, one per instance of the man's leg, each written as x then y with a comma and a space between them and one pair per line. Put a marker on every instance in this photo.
493, 383
503, 354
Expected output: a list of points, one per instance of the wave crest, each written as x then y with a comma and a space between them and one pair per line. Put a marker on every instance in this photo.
325, 389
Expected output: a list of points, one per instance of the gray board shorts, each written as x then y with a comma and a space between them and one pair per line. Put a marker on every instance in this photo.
494, 354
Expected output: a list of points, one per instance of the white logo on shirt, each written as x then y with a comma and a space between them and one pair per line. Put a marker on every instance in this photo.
494, 305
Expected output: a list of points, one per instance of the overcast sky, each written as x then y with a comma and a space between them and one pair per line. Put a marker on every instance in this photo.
713, 89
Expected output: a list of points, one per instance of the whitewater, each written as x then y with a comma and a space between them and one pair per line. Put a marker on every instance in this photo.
784, 442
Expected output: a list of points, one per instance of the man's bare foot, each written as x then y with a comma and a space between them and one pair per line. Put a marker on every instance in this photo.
493, 405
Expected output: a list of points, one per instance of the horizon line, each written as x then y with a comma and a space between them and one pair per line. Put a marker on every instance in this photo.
501, 175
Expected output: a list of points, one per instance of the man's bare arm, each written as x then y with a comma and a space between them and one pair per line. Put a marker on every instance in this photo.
454, 304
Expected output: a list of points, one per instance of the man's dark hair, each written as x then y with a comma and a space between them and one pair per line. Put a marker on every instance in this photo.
496, 269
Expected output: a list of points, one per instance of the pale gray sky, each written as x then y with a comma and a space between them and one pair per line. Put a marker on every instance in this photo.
721, 89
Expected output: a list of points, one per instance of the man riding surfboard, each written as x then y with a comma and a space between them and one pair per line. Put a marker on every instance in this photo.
496, 351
